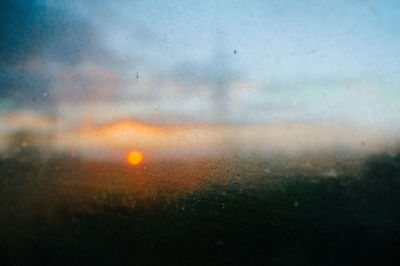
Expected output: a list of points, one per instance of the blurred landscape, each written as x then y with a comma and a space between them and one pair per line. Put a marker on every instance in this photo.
324, 208
199, 132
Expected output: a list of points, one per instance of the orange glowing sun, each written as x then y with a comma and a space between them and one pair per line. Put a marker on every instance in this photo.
135, 157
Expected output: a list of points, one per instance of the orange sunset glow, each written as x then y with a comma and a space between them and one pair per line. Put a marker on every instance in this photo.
135, 157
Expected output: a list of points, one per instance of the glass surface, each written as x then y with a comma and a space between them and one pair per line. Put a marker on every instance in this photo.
199, 132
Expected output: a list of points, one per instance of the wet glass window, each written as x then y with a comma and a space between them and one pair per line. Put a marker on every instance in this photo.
199, 132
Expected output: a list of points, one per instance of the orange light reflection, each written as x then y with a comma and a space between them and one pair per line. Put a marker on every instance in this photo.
135, 157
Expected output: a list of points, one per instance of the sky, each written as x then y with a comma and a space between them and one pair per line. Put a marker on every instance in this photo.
71, 66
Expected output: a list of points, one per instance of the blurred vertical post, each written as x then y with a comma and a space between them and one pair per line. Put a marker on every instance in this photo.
222, 82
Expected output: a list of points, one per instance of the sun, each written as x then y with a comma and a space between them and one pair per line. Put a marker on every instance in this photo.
134, 157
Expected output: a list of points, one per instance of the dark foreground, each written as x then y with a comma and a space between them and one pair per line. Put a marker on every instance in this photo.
300, 220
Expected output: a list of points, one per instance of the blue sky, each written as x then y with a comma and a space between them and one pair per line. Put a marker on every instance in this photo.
295, 61
274, 39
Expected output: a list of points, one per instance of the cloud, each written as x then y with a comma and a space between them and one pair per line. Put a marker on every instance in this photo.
130, 134
27, 120
192, 141
87, 82
34, 35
